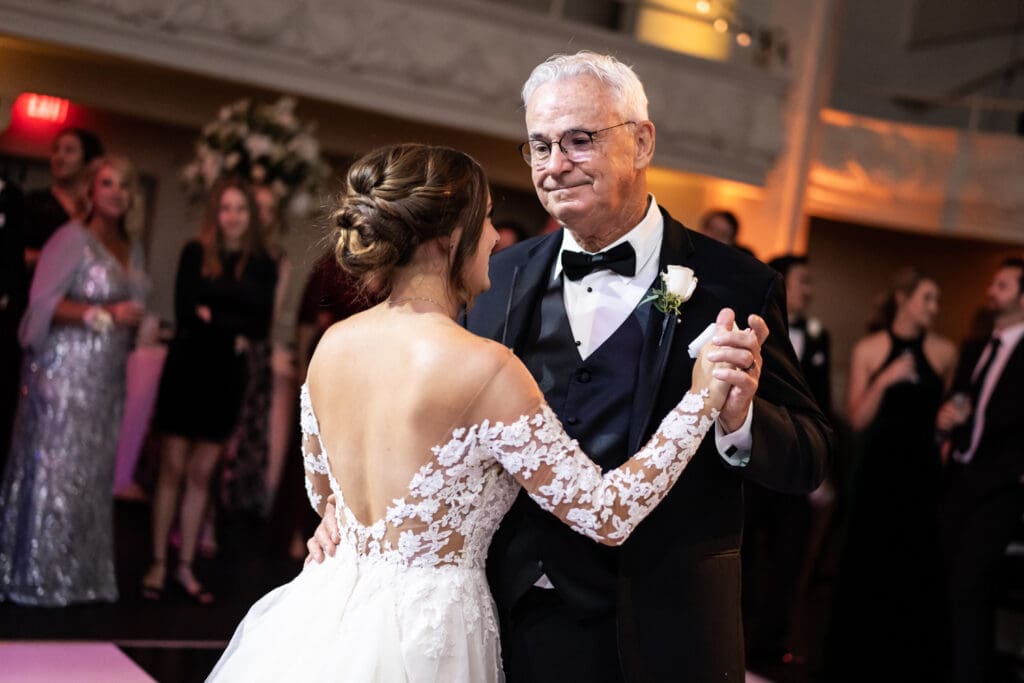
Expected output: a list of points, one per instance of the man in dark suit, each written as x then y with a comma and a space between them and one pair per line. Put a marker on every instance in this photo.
723, 226
13, 299
573, 304
985, 498
778, 526
811, 341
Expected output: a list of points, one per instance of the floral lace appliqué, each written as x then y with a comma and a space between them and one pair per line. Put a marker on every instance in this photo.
446, 519
456, 500
564, 481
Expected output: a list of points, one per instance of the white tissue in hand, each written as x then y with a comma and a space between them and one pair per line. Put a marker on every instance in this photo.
700, 340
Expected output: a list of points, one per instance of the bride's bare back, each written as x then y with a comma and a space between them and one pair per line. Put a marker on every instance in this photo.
390, 384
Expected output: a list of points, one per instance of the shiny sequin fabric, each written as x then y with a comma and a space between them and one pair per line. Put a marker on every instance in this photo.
56, 531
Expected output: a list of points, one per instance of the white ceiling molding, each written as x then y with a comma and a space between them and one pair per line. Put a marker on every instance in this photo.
456, 63
931, 179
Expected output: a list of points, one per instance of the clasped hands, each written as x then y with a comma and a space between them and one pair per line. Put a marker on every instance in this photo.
740, 349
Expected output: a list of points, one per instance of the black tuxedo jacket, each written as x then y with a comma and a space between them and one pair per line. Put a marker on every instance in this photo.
816, 364
998, 462
678, 593
13, 274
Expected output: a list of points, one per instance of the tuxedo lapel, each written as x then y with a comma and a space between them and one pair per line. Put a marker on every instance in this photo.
666, 335
529, 282
661, 331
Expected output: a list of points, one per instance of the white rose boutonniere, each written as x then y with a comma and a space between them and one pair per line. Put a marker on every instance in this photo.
677, 286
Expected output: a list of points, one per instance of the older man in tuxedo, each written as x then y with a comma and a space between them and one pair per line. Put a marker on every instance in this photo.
575, 306
985, 498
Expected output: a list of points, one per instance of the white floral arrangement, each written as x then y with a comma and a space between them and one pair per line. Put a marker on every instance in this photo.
262, 144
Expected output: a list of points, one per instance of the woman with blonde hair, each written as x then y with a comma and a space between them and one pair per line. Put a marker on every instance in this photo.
424, 434
56, 506
223, 301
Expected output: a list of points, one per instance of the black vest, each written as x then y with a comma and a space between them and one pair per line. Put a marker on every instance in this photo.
594, 400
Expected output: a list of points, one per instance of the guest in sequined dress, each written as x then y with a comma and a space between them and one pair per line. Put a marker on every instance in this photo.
56, 527
223, 302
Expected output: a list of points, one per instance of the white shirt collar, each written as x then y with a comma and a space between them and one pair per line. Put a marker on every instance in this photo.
645, 237
1009, 336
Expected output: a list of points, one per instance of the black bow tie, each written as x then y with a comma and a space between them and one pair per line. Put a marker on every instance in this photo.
799, 324
621, 259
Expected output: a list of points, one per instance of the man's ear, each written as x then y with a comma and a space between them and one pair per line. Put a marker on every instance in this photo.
644, 137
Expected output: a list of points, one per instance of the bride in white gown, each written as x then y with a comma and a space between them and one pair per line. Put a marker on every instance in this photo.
424, 434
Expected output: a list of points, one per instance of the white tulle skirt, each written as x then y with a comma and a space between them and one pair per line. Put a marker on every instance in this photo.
364, 619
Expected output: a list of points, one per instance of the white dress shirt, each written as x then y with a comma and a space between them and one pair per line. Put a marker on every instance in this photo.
1008, 340
798, 338
598, 303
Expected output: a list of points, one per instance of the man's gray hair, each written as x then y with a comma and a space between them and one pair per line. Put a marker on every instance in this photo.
621, 81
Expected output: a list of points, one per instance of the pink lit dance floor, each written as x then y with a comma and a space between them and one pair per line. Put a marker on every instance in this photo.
57, 662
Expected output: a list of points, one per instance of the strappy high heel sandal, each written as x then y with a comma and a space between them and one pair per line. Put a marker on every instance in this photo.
150, 589
190, 586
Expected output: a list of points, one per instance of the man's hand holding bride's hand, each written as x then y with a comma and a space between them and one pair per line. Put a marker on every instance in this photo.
326, 537
737, 357
704, 376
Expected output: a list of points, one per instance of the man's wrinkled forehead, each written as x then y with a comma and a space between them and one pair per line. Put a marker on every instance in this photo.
576, 103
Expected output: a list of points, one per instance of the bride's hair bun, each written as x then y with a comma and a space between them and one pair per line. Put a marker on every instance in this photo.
368, 239
398, 197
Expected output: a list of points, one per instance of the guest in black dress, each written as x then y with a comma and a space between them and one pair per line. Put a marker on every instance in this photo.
48, 209
888, 602
224, 299
258, 447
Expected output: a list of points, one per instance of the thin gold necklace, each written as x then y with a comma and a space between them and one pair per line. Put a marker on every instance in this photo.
397, 302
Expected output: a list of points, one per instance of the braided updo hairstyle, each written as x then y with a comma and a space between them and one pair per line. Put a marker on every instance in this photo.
400, 196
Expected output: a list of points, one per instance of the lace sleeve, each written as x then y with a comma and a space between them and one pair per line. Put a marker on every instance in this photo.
560, 477
314, 460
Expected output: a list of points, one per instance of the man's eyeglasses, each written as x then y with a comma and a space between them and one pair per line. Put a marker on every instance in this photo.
576, 145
